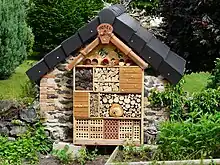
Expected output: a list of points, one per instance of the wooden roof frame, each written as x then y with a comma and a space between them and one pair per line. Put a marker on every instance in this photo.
106, 36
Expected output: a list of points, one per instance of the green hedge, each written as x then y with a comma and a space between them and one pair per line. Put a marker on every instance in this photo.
13, 36
53, 21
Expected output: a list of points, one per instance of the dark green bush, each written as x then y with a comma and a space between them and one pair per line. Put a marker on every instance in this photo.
13, 36
149, 5
215, 78
27, 147
187, 140
192, 31
53, 21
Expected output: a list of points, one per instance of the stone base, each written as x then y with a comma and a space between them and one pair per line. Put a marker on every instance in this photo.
72, 148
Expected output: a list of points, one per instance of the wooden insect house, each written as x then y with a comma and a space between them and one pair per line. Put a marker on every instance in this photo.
110, 56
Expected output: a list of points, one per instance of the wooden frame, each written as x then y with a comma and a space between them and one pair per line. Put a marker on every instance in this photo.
131, 78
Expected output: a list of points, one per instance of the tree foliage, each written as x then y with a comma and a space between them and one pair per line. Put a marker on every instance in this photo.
192, 31
149, 5
55, 20
13, 36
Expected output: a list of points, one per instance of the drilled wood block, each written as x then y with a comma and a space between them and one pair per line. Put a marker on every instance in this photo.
137, 130
111, 128
81, 129
96, 129
129, 129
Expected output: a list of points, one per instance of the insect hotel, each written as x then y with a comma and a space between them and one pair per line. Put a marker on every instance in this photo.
92, 85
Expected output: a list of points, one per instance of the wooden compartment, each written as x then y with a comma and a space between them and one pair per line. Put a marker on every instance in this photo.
130, 80
81, 104
83, 79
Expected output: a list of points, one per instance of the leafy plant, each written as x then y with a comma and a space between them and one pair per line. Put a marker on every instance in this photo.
184, 106
25, 147
132, 152
187, 140
173, 97
84, 155
205, 102
29, 92
215, 78
63, 155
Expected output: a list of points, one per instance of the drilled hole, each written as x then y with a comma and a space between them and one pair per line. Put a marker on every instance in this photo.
95, 62
105, 62
87, 62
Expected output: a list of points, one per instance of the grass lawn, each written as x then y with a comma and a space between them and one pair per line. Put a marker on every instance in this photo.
12, 87
195, 82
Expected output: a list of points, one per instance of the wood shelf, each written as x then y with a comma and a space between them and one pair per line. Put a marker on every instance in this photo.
102, 142
106, 81
103, 66
116, 118
119, 92
82, 90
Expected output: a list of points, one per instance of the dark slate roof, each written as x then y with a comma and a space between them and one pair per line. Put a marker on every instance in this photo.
157, 54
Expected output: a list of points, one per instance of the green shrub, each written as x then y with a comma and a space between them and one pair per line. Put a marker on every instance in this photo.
187, 140
84, 155
204, 102
184, 106
173, 97
53, 21
13, 36
63, 155
215, 78
27, 147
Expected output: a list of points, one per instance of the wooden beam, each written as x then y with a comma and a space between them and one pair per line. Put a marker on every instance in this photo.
77, 60
90, 47
128, 51
83, 53
101, 142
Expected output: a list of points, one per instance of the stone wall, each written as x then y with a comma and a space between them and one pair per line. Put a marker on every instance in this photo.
15, 118
152, 117
56, 102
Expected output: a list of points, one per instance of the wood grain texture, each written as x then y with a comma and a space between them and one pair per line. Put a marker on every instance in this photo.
81, 104
131, 80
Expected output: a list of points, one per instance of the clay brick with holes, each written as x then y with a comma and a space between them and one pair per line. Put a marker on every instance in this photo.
111, 128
